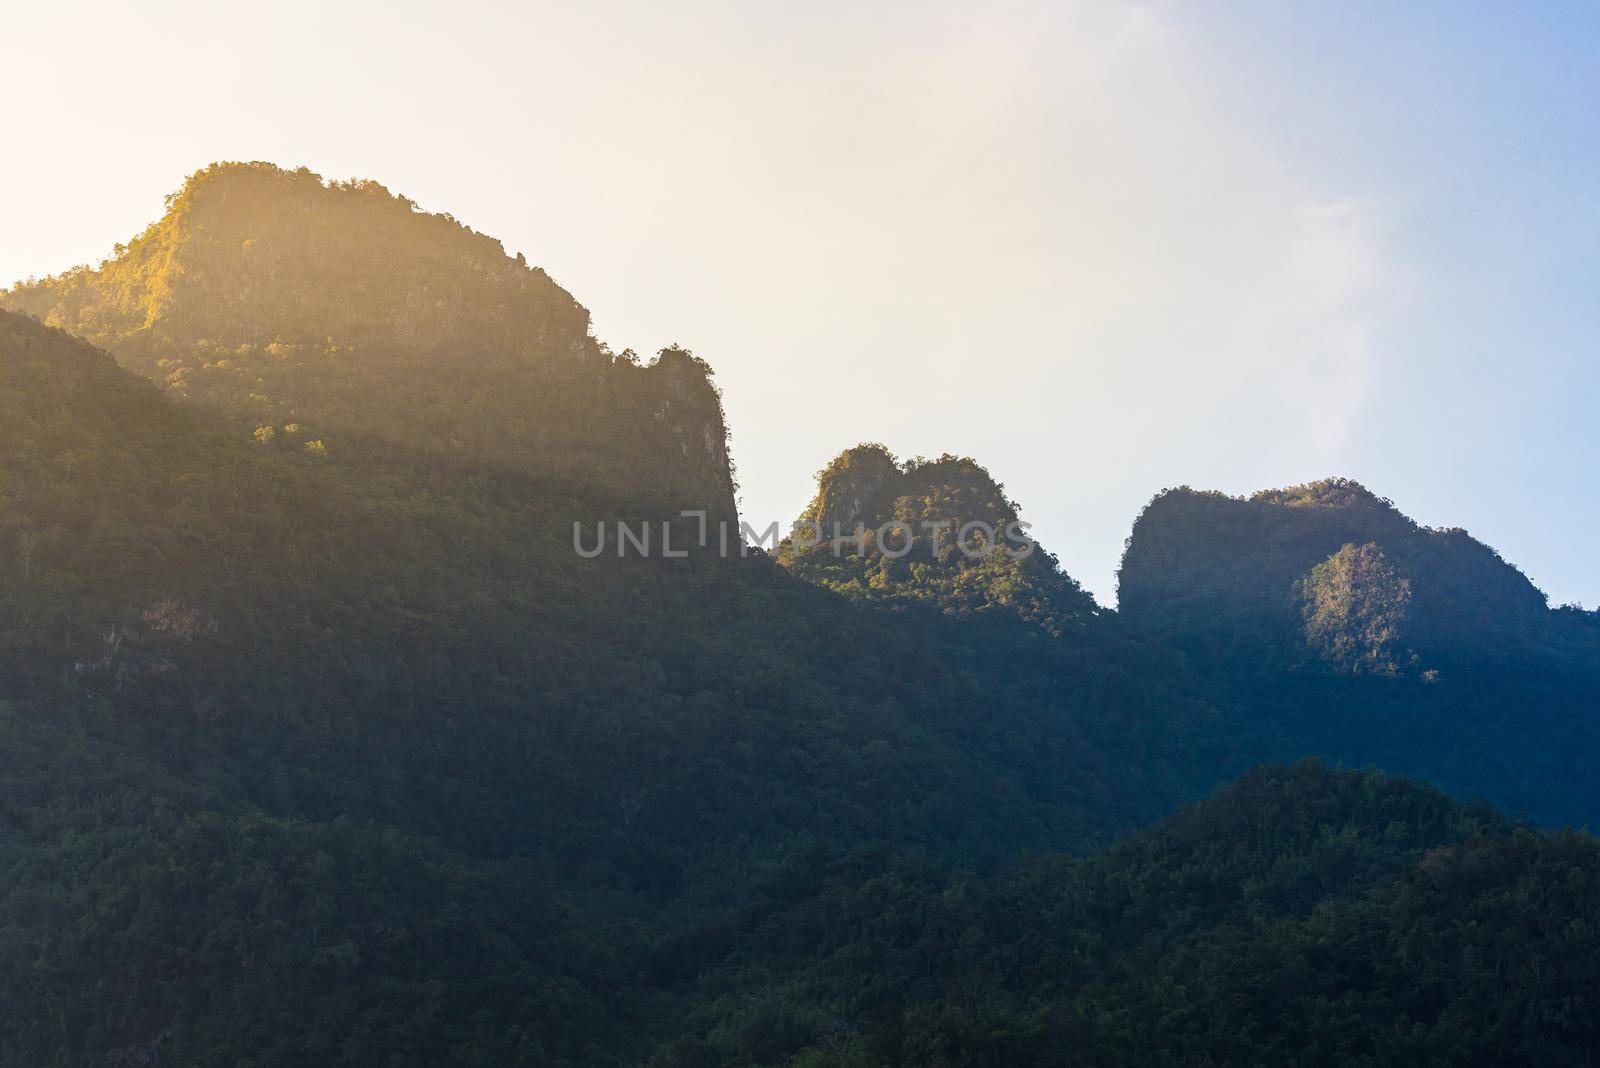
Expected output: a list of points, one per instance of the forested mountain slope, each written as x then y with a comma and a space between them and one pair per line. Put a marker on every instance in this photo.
342, 315
1329, 571
1331, 624
325, 745
326, 757
1301, 916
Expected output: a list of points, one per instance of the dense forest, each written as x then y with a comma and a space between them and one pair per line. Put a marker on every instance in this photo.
326, 747
1300, 916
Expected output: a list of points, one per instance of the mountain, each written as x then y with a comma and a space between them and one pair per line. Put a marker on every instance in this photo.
344, 317
1330, 624
326, 744
1326, 571
940, 532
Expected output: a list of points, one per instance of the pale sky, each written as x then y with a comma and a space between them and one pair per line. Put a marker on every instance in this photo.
1103, 249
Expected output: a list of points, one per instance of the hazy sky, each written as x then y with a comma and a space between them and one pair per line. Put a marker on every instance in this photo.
1102, 249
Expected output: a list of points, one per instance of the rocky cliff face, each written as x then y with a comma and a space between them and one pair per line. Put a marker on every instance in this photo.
1326, 569
343, 313
859, 486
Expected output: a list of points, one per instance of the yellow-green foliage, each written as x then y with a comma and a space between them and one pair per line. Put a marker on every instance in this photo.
1355, 608
271, 296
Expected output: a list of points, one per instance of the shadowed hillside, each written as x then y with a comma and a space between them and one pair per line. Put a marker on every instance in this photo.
1300, 916
1329, 570
1331, 624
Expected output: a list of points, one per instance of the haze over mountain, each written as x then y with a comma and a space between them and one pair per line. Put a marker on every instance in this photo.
342, 311
1285, 243
326, 746
343, 756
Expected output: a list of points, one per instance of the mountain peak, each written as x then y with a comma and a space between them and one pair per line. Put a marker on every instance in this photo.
868, 485
1327, 568
940, 531
250, 254
275, 298
1332, 492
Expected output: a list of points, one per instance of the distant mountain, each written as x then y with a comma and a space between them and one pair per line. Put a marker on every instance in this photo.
1329, 572
341, 314
940, 532
1330, 624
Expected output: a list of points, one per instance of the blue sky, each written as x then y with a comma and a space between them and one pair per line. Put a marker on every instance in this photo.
1476, 126
1102, 248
